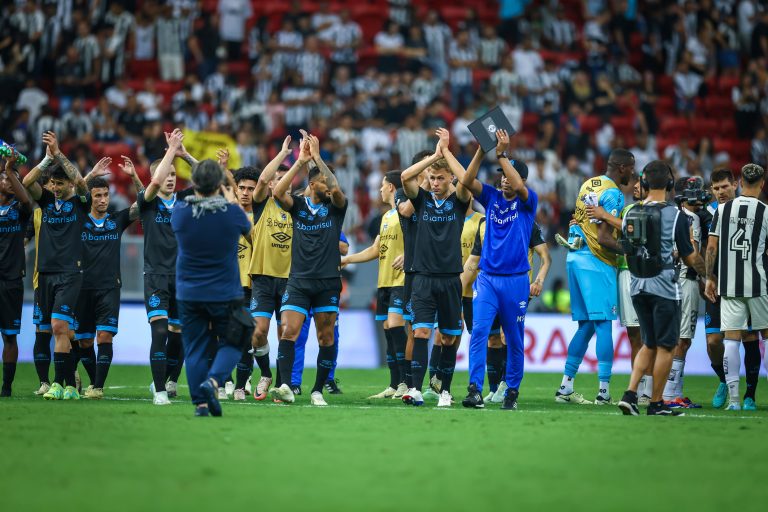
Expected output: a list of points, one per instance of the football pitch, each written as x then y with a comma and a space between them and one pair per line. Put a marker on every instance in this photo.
123, 453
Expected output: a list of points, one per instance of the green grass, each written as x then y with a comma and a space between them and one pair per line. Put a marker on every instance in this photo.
123, 453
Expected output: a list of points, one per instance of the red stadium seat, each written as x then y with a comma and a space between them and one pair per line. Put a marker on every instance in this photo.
726, 84
718, 106
453, 15
666, 85
674, 126
705, 127
589, 124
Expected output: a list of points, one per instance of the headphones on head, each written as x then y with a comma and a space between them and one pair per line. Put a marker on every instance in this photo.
670, 184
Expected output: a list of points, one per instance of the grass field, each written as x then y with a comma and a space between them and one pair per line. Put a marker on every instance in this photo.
123, 453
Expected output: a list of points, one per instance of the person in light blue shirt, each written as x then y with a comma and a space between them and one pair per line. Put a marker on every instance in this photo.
502, 287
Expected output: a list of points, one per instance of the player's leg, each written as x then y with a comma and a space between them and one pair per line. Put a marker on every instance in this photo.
513, 298
666, 328
174, 348
406, 367
673, 388
293, 312
602, 299
716, 350
450, 325
396, 318
297, 371
102, 319
383, 297
85, 333
424, 300
59, 296
41, 351
325, 308
497, 363
11, 297
735, 314
157, 302
332, 383
758, 308
197, 341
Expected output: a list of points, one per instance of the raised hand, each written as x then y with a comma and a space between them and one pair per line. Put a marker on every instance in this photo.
287, 144
222, 157
228, 194
127, 166
52, 144
443, 136
11, 159
175, 141
503, 141
314, 146
305, 153
102, 167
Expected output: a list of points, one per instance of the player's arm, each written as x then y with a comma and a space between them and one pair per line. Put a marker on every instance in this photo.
470, 180
100, 169
73, 173
606, 236
456, 168
19, 192
546, 262
469, 274
281, 192
685, 247
599, 213
181, 151
128, 168
133, 211
268, 174
710, 291
166, 164
517, 183
338, 199
368, 254
410, 175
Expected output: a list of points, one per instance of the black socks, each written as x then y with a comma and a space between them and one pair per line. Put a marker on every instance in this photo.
243, 370
399, 340
103, 363
394, 371
174, 356
286, 352
88, 358
157, 354
752, 362
325, 358
448, 364
495, 366
42, 355
434, 361
419, 363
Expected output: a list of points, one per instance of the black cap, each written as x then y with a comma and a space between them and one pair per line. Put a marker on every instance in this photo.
520, 167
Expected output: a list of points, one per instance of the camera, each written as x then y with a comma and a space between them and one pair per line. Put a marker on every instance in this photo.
694, 193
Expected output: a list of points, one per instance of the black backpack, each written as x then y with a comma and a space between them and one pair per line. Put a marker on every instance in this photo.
641, 240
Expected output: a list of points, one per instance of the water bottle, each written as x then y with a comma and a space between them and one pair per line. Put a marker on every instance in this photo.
6, 150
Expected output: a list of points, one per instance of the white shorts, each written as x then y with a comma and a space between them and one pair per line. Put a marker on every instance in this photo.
689, 308
627, 314
735, 313
171, 67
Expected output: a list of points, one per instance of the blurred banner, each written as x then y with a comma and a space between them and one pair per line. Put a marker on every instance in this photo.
546, 343
202, 145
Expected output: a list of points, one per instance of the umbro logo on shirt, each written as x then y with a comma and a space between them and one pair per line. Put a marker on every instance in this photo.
281, 237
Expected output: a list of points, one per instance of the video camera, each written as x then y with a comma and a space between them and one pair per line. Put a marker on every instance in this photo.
694, 193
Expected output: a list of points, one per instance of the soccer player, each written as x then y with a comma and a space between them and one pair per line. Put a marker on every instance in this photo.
737, 241
591, 265
98, 307
246, 180
15, 211
315, 280
155, 205
503, 286
390, 304
272, 237
208, 227
627, 314
60, 259
437, 264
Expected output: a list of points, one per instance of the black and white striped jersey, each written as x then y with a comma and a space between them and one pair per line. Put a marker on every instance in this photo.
742, 228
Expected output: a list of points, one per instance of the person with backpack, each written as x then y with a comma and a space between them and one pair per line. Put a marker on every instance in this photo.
650, 232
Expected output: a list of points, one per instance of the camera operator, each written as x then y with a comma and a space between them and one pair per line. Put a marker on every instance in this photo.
690, 197
651, 230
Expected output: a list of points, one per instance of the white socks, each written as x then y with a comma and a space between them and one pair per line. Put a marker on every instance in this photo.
732, 367
604, 390
566, 386
674, 385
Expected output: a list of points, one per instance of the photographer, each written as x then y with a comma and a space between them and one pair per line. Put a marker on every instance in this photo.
207, 227
690, 197
651, 230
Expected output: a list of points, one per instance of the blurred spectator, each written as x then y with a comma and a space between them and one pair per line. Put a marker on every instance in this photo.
759, 148
76, 123
32, 99
143, 37
559, 32
286, 45
311, 63
508, 91
323, 20
492, 47
687, 85
344, 38
678, 155
389, 44
567, 186
437, 35
411, 138
426, 87
170, 48
204, 45
463, 58
233, 16
644, 151
415, 50
528, 62
745, 98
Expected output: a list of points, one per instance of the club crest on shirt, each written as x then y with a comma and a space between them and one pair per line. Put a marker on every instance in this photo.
65, 207
334, 300
13, 214
110, 225
154, 301
322, 212
448, 206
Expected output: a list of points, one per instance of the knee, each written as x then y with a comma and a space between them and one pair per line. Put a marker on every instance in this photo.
714, 342
9, 340
60, 327
290, 332
494, 341
325, 338
685, 344
260, 334
421, 333
103, 337
86, 343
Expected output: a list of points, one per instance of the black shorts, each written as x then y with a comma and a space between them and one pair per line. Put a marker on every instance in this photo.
389, 300
266, 296
712, 317
59, 293
97, 310
467, 311
11, 301
160, 297
320, 295
441, 296
407, 292
659, 320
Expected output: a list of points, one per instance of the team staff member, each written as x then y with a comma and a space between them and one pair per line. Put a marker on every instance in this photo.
208, 227
657, 298
737, 240
15, 211
315, 278
390, 304
503, 285
60, 261
437, 264
272, 238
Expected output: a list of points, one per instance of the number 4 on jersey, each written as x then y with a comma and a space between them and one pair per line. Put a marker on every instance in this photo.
740, 243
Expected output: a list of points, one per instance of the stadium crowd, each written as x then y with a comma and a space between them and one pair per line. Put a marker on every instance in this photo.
685, 80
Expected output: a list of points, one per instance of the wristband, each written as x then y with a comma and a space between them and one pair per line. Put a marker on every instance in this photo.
45, 163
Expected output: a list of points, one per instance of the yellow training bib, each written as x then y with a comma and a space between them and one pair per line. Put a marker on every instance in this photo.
468, 235
244, 253
390, 247
271, 240
589, 194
